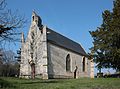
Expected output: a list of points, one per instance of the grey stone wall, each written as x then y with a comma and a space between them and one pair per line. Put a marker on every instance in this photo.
57, 63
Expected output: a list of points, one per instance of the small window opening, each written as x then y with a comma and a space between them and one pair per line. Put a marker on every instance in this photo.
83, 64
41, 31
33, 18
68, 62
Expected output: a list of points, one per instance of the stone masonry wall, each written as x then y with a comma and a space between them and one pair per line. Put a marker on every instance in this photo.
39, 53
57, 63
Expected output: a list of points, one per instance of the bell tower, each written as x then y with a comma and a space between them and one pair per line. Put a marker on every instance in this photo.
36, 19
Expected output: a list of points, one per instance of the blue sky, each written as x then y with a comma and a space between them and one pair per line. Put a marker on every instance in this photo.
72, 18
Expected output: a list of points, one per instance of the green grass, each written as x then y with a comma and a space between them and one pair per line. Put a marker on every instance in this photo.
82, 83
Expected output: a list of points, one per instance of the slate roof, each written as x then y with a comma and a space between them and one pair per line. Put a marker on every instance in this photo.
64, 42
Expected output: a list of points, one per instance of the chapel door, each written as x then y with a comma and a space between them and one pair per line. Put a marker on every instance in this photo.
33, 71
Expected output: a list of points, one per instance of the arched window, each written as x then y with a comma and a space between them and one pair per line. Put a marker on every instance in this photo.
33, 18
83, 64
68, 62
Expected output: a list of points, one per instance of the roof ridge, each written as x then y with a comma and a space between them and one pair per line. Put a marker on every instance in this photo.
73, 45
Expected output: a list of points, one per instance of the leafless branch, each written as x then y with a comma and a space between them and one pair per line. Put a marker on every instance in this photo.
2, 4
10, 23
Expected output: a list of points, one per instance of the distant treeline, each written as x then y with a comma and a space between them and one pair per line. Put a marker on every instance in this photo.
9, 66
112, 75
9, 70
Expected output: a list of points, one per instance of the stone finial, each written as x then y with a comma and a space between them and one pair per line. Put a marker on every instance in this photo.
22, 37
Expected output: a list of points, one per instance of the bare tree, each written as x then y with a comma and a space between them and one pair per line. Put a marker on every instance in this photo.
9, 65
10, 23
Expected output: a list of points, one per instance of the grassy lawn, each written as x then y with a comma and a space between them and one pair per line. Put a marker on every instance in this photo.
82, 83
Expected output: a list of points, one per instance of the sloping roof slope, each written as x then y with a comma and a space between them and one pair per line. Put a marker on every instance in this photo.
65, 42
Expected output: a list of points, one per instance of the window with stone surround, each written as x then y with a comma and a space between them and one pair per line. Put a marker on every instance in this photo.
83, 63
68, 63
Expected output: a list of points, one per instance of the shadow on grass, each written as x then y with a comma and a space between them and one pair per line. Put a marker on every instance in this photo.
43, 81
5, 84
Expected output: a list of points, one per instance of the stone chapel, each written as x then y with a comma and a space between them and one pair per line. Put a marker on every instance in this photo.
47, 54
